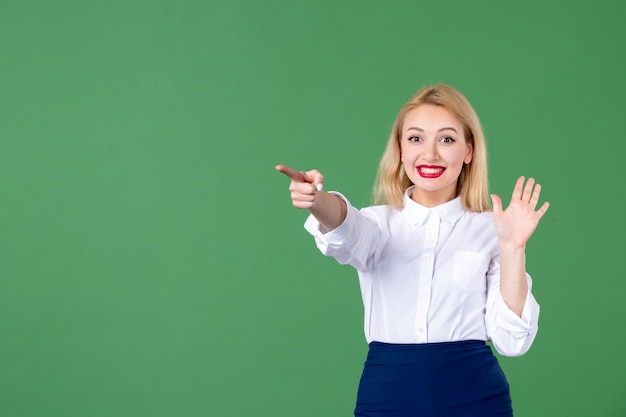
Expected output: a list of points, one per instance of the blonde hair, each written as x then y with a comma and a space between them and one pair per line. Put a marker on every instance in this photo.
472, 187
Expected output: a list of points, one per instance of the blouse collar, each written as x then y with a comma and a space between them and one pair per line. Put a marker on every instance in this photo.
449, 212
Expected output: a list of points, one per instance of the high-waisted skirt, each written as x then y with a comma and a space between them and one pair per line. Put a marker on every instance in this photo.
452, 379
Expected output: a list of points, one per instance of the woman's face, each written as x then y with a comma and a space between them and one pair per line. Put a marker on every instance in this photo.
433, 150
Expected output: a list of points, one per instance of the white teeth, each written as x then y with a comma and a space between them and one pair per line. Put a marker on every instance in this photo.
431, 170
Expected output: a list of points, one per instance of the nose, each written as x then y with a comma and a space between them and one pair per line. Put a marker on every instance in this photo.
430, 150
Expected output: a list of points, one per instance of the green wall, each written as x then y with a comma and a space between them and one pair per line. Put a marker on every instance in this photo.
151, 263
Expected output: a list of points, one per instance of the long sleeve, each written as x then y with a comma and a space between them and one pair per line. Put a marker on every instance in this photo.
511, 334
353, 242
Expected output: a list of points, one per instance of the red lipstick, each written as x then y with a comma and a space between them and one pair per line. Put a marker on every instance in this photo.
430, 171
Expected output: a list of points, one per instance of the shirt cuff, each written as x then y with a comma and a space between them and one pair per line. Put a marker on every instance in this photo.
326, 239
510, 322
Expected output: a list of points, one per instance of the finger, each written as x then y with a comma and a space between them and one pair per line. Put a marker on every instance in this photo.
291, 173
543, 209
302, 194
517, 190
316, 178
534, 199
497, 204
302, 188
302, 201
528, 190
302, 205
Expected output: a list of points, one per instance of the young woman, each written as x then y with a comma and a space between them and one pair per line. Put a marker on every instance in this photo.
440, 271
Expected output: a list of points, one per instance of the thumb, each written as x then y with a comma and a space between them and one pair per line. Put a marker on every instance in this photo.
497, 204
316, 178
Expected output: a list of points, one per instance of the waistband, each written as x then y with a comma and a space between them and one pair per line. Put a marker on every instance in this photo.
462, 345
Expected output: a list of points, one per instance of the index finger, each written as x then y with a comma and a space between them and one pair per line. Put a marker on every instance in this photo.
291, 173
517, 190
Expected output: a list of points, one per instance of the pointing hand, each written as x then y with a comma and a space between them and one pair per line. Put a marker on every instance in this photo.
304, 185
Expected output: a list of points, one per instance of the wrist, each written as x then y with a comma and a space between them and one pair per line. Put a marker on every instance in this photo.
511, 247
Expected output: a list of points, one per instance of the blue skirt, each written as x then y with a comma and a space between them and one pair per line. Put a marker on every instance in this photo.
454, 379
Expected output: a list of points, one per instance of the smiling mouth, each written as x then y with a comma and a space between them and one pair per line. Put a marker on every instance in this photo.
429, 171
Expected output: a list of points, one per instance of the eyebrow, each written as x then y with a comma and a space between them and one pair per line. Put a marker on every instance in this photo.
440, 130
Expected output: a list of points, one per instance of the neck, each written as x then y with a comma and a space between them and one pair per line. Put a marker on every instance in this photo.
432, 199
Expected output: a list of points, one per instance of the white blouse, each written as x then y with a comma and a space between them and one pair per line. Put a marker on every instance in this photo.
428, 275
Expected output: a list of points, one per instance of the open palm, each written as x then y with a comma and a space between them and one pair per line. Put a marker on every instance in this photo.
517, 223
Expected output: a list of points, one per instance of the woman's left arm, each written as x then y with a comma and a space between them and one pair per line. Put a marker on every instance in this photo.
514, 226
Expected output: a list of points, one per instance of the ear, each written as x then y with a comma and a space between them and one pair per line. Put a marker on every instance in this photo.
469, 154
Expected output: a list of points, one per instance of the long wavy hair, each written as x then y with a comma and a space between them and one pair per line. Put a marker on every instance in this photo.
472, 186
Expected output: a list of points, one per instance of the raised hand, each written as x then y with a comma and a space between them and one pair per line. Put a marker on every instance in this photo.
516, 224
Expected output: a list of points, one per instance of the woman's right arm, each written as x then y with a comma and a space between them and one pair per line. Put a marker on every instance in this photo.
306, 193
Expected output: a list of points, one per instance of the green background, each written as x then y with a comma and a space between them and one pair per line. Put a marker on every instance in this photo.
151, 263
